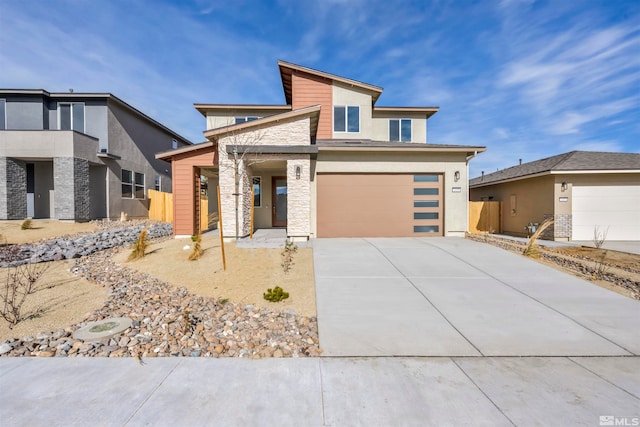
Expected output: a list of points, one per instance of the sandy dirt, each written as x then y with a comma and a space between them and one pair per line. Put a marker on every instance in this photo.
249, 272
60, 300
10, 232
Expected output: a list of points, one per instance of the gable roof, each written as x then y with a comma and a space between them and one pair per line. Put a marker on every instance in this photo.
287, 69
573, 161
313, 112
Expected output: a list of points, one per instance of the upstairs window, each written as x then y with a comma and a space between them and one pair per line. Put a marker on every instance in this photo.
132, 184
71, 116
3, 114
174, 144
246, 119
157, 184
400, 130
346, 118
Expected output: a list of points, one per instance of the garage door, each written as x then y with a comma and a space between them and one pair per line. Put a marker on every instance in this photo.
616, 207
379, 205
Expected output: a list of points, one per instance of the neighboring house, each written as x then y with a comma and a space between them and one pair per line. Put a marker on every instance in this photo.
78, 156
329, 163
580, 190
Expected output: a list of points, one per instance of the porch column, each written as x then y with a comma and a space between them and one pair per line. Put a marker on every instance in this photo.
299, 197
13, 189
71, 187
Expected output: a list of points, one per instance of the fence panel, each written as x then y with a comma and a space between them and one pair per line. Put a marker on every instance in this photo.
484, 217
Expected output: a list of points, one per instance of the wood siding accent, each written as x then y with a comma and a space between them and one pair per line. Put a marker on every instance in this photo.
186, 191
310, 90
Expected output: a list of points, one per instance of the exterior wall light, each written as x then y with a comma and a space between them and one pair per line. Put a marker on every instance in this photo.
564, 186
298, 172
456, 176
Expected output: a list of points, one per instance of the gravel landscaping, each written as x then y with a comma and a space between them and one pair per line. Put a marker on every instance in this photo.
167, 320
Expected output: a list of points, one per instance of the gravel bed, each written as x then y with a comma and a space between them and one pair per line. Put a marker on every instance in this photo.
169, 321
111, 234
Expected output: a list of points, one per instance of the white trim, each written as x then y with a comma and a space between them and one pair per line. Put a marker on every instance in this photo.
400, 129
71, 104
575, 172
346, 118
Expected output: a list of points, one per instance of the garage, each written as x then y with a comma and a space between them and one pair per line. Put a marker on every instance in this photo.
615, 207
379, 205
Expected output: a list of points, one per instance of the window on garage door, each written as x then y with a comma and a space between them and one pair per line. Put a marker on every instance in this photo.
427, 206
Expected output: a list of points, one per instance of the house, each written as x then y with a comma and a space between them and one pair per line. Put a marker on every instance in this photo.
78, 156
581, 190
327, 163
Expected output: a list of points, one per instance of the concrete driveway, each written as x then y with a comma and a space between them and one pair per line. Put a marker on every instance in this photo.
455, 297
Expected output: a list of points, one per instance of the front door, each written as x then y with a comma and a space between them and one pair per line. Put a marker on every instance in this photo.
279, 201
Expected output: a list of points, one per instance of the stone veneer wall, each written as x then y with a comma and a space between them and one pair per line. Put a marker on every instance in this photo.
71, 186
294, 132
299, 197
13, 189
562, 226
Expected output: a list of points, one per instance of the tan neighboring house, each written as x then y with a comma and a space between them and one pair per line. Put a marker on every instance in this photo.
327, 163
581, 190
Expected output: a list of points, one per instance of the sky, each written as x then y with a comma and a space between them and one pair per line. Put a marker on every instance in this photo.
527, 79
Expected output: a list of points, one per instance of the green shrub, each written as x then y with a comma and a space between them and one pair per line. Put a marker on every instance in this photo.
276, 294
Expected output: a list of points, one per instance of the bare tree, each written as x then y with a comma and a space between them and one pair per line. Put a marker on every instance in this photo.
599, 237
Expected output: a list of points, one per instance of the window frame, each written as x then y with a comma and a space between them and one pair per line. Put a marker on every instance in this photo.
243, 119
400, 133
71, 118
133, 184
346, 118
3, 118
157, 183
253, 185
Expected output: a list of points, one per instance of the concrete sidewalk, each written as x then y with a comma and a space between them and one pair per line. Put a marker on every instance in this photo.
318, 392
456, 297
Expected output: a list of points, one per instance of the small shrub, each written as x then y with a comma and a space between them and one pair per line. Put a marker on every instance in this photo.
532, 249
287, 256
139, 247
599, 237
223, 301
20, 283
276, 294
197, 251
27, 224
600, 268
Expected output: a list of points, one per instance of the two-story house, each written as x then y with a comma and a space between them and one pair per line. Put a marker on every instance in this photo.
327, 163
78, 156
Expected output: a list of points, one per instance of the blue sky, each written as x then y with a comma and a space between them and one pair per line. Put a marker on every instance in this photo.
525, 78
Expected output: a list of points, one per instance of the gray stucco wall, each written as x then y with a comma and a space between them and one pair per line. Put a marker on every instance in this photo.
136, 142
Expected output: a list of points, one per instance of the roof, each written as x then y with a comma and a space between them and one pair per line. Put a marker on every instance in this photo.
204, 108
96, 95
313, 112
369, 145
428, 111
573, 161
287, 69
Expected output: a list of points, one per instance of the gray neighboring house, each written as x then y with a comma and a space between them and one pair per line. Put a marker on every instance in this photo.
78, 156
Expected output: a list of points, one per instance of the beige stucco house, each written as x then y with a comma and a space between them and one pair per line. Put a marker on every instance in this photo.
327, 163
583, 191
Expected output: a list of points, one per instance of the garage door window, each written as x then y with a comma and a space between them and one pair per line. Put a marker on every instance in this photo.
425, 191
425, 215
426, 229
426, 203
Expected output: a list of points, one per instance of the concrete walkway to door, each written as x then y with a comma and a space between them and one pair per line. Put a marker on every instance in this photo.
455, 297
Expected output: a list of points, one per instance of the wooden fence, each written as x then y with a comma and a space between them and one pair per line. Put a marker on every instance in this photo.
485, 217
161, 208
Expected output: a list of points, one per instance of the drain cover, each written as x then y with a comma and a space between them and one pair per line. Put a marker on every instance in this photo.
102, 329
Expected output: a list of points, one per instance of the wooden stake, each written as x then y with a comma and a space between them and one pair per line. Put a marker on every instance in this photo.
253, 196
224, 260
